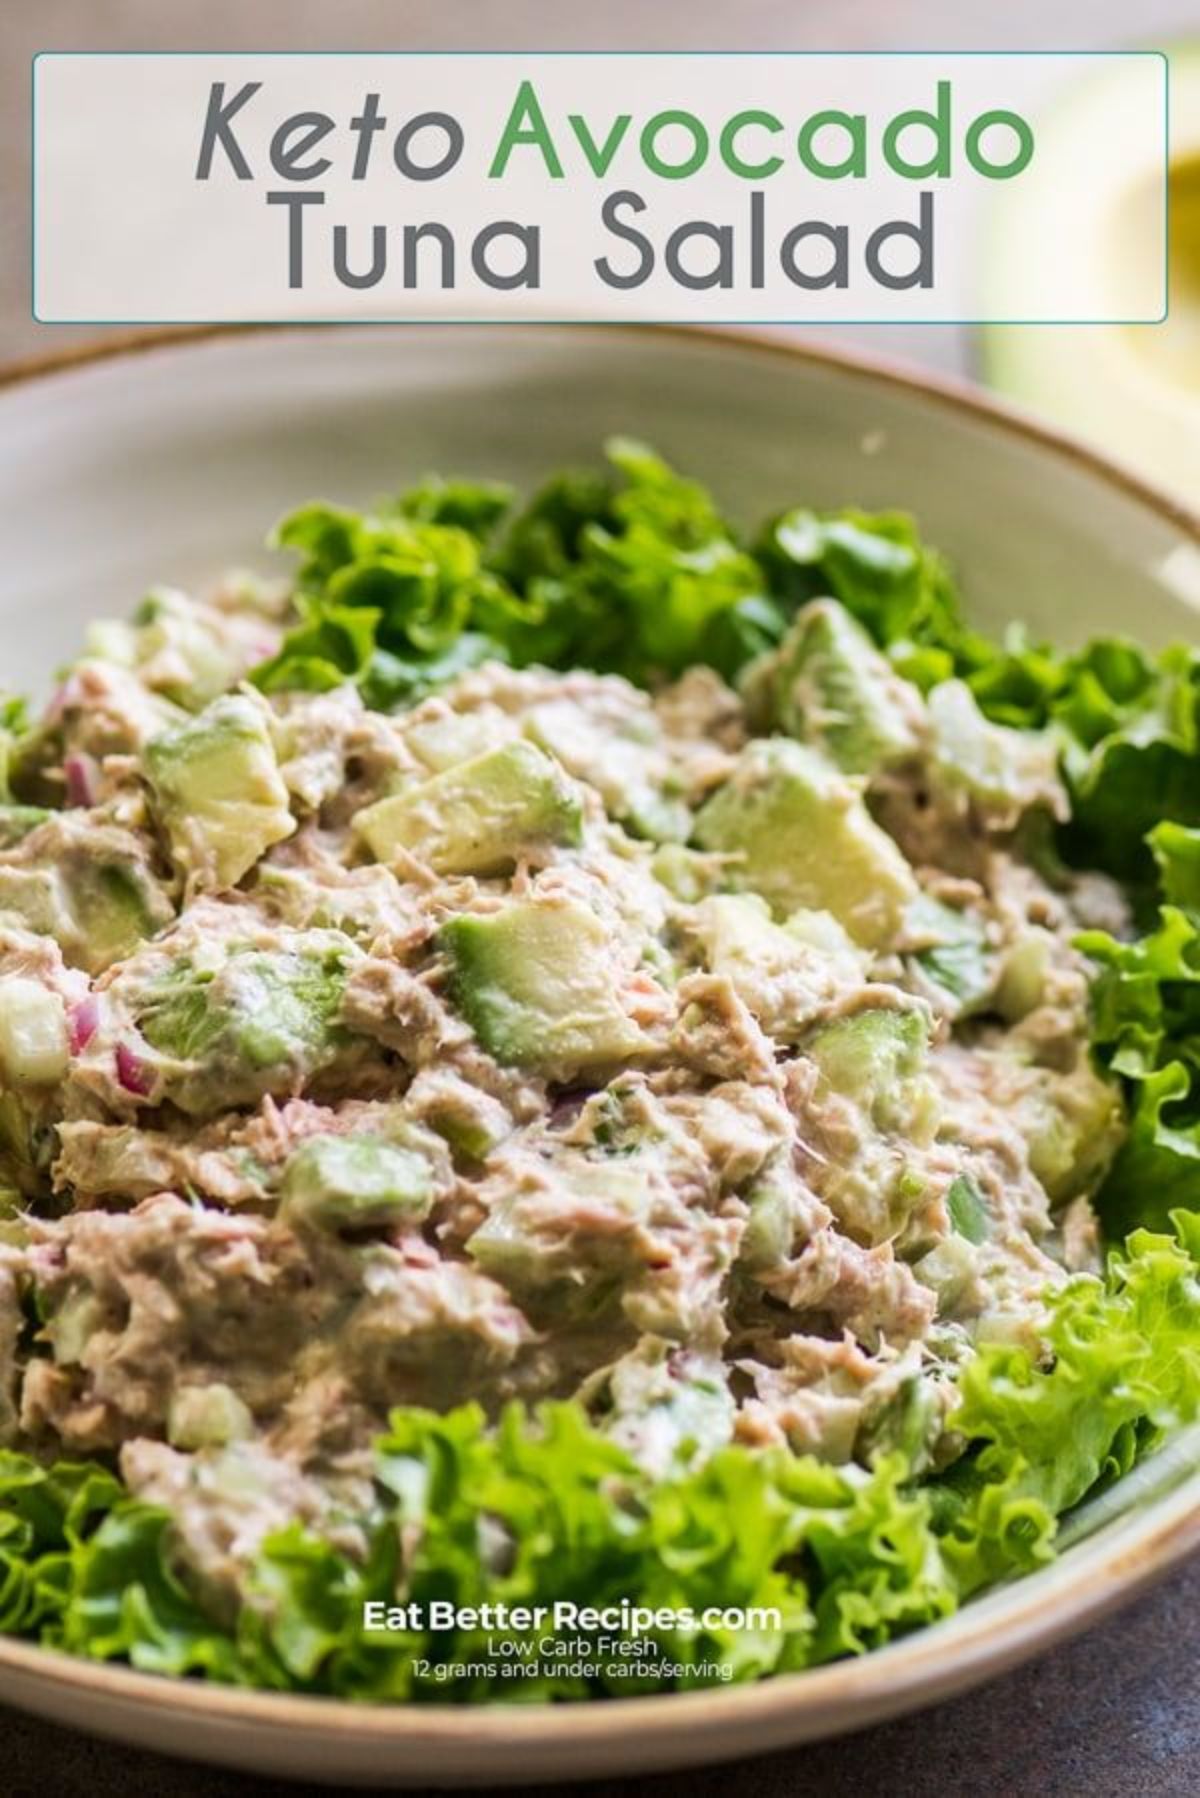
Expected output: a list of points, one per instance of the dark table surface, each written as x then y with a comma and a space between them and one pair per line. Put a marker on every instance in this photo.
1115, 1714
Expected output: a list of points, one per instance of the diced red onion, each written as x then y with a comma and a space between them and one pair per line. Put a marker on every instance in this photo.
84, 1021
132, 1072
82, 777
415, 1250
567, 1106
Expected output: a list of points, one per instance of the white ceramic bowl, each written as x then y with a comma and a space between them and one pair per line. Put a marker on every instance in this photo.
168, 464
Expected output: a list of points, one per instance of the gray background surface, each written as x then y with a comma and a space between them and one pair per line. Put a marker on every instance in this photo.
1114, 1715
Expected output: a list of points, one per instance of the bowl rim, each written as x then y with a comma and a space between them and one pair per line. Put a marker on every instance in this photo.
954, 394
919, 1669
932, 1664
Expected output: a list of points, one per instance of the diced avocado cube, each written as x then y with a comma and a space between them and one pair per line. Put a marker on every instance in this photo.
1002, 770
97, 905
478, 817
950, 1270
967, 1211
878, 1058
666, 1406
771, 1226
355, 1183
953, 954
208, 1417
909, 1422
71, 1322
471, 1122
686, 873
117, 906
20, 1168
111, 640
547, 1246
828, 685
803, 839
1022, 982
173, 633
263, 1022
657, 817
171, 646
1074, 1124
538, 983
218, 791
35, 897
783, 978
34, 1044
459, 737
736, 930
739, 933
78, 877
821, 931
624, 758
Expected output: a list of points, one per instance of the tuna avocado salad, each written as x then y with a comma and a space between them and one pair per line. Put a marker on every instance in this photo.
570, 1053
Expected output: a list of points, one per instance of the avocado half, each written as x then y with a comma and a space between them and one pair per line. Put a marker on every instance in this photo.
1132, 390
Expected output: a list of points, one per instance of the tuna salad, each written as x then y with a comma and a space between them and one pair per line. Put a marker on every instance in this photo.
577, 1055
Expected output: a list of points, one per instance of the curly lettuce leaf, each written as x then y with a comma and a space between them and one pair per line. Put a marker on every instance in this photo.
474, 506
14, 722
1132, 755
1176, 851
1146, 1029
385, 598
1128, 728
46, 1517
330, 646
1120, 1369
543, 1507
897, 587
634, 571
125, 1601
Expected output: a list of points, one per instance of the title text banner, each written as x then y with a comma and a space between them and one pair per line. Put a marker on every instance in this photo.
805, 188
